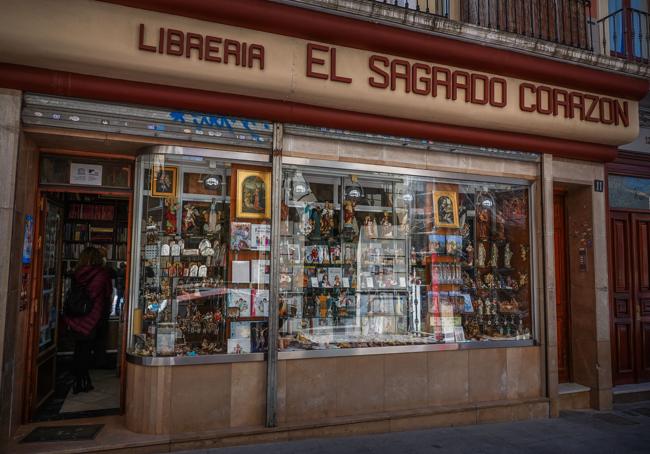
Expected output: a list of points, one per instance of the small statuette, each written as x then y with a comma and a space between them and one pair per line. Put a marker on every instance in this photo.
469, 257
494, 256
386, 226
482, 254
523, 252
507, 256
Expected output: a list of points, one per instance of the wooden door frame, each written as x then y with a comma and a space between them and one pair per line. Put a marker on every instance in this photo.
36, 275
637, 317
561, 191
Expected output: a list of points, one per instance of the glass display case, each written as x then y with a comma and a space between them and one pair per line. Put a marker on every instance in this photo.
202, 256
381, 260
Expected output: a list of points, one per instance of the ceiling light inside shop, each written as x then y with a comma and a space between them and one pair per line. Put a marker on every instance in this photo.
354, 191
212, 182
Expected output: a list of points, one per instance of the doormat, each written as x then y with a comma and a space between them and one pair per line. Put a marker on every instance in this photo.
63, 433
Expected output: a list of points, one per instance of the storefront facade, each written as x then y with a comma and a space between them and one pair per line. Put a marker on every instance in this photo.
325, 236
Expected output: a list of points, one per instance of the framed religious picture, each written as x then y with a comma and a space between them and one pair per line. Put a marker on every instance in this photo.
445, 209
253, 194
163, 181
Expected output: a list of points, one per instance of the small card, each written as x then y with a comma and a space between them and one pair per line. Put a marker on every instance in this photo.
239, 346
260, 303
240, 272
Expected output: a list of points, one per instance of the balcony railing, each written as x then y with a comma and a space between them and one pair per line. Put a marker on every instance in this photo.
435, 7
625, 33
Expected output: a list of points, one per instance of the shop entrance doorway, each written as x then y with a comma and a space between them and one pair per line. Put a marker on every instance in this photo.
630, 305
70, 221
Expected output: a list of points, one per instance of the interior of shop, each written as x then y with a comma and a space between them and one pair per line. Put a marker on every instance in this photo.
73, 222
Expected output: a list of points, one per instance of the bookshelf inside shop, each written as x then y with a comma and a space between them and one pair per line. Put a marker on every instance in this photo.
100, 223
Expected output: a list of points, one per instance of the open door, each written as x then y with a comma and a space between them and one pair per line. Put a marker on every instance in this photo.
44, 318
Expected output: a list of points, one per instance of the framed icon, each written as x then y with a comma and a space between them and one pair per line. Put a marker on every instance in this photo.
163, 182
253, 194
445, 209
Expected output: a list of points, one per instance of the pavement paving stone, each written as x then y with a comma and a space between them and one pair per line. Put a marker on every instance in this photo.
626, 429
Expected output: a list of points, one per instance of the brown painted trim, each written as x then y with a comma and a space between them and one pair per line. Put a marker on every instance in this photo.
115, 90
630, 163
307, 24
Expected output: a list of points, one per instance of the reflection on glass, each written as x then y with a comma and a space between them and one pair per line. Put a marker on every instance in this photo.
629, 192
379, 260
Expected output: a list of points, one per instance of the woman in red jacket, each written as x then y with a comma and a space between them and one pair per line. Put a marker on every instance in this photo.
91, 274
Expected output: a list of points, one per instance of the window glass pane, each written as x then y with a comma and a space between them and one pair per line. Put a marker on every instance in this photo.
401, 260
629, 192
204, 270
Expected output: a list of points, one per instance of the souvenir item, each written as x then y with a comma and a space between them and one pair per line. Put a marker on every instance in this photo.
260, 303
260, 271
214, 218
174, 249
240, 236
163, 182
151, 230
454, 244
261, 237
239, 346
240, 271
240, 298
335, 254
465, 230
240, 330
259, 336
171, 209
253, 196
469, 255
482, 255
404, 225
326, 220
369, 227
194, 270
151, 251
501, 228
232, 312
195, 218
203, 271
437, 244
386, 226
349, 218
204, 245
523, 252
306, 225
445, 209
507, 256
483, 223
164, 250
494, 256
523, 279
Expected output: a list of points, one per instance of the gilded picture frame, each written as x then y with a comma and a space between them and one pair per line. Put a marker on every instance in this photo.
164, 181
445, 209
253, 194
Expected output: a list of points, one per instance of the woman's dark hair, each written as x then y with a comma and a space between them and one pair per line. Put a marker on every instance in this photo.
90, 256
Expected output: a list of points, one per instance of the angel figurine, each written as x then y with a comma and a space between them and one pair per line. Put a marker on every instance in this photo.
370, 227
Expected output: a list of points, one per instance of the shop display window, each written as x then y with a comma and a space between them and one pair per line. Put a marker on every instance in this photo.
383, 260
203, 246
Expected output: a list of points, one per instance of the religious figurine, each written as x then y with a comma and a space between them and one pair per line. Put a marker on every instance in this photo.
404, 226
170, 215
469, 257
482, 253
523, 279
483, 223
326, 220
507, 256
370, 227
386, 226
523, 252
306, 223
349, 219
189, 220
501, 227
494, 256
213, 218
